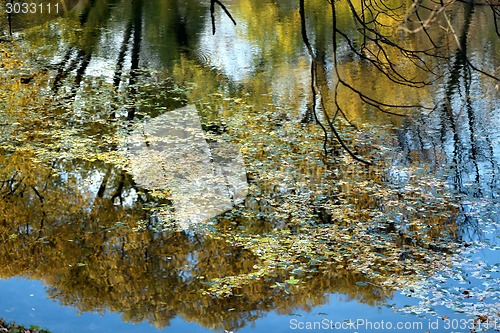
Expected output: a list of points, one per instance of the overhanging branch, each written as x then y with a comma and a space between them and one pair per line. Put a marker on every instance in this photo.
212, 13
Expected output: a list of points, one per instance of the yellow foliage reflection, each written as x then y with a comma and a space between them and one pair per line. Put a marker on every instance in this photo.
72, 217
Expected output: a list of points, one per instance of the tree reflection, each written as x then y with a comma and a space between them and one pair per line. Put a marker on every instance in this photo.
458, 131
71, 216
90, 259
374, 42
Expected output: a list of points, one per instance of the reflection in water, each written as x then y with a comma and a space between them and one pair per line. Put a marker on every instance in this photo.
460, 139
170, 152
90, 259
463, 130
228, 53
309, 225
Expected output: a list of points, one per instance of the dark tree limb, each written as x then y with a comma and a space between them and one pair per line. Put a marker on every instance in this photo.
212, 13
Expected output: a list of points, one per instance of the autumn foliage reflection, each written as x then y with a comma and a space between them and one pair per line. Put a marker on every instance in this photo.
72, 217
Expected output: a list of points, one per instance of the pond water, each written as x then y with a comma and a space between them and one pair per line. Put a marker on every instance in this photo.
157, 176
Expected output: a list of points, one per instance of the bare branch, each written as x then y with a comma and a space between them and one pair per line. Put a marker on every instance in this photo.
212, 13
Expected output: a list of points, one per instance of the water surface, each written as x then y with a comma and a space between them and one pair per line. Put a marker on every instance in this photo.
89, 243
